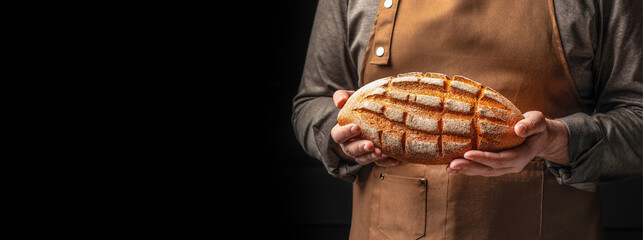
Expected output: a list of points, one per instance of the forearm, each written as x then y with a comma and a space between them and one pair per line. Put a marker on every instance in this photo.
313, 120
311, 117
603, 147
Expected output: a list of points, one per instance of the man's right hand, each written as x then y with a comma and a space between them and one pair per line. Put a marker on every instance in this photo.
361, 150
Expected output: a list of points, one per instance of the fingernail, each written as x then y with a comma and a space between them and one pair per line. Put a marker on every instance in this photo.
521, 128
453, 168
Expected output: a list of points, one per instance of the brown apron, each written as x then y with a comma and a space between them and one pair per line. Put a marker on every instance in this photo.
513, 47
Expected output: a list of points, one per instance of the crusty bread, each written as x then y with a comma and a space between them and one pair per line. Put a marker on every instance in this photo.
429, 118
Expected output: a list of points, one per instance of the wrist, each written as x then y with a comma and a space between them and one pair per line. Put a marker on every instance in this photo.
556, 148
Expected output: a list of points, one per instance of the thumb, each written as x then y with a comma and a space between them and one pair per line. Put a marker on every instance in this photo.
533, 123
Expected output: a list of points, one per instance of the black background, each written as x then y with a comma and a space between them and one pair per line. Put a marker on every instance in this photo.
299, 200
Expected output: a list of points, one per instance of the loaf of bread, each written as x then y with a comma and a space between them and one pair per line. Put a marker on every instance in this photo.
429, 118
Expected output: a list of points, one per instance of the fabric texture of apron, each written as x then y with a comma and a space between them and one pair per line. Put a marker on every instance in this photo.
513, 47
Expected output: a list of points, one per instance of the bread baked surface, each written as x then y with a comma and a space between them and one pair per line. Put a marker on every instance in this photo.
430, 118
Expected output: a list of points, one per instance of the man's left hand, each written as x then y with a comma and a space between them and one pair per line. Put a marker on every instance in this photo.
545, 138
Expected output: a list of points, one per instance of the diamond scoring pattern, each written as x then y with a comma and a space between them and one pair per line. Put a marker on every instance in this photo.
445, 110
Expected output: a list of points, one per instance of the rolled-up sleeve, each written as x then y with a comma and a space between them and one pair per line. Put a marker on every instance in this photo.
328, 68
605, 145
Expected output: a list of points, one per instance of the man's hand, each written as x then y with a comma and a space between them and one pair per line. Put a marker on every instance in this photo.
361, 150
546, 138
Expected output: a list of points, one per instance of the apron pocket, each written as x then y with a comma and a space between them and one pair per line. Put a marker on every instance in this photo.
402, 210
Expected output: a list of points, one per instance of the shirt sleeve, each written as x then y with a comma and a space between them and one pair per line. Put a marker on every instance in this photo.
329, 67
605, 144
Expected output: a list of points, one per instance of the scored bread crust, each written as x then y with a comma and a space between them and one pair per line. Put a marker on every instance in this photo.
430, 118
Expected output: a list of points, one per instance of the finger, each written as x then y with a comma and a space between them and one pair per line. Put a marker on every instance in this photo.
533, 123
387, 162
501, 159
367, 158
358, 147
341, 96
515, 157
341, 134
470, 168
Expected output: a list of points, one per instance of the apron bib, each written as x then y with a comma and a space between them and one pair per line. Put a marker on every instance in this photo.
508, 45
